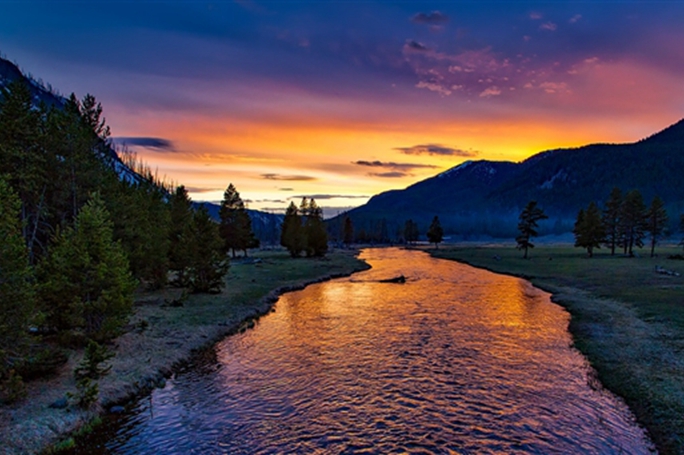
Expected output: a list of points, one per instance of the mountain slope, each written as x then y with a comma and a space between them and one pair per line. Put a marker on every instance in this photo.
485, 197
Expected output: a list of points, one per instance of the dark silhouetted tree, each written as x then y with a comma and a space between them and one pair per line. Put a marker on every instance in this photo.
411, 231
17, 292
632, 222
527, 225
180, 236
589, 231
611, 219
315, 233
435, 232
348, 231
656, 221
85, 279
292, 232
208, 262
236, 225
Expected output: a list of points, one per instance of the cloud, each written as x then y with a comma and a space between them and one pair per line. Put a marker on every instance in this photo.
415, 46
197, 189
329, 196
436, 149
433, 18
153, 143
490, 91
535, 16
574, 19
550, 26
434, 87
288, 178
392, 165
392, 174
286, 189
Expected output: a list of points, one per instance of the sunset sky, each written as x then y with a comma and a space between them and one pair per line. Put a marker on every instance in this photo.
342, 100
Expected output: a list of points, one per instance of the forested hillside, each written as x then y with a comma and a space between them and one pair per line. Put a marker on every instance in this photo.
483, 198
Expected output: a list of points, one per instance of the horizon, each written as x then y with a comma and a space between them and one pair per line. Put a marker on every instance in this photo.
283, 102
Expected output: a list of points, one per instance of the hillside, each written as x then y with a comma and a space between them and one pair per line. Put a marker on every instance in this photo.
483, 198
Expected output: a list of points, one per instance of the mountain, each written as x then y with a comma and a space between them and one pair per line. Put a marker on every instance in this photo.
484, 198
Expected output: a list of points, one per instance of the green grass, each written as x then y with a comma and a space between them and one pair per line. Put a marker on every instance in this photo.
627, 320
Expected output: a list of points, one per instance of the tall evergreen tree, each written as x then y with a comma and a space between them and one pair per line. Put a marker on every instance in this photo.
632, 221
236, 225
527, 225
656, 221
315, 234
292, 232
611, 219
435, 232
85, 282
411, 231
589, 231
208, 263
180, 238
348, 231
17, 293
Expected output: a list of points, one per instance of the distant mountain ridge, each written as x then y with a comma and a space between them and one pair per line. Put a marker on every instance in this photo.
483, 198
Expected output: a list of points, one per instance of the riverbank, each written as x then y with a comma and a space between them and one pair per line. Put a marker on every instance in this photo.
627, 320
161, 338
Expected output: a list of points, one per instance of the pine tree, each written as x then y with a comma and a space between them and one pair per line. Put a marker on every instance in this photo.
527, 225
208, 263
435, 232
314, 231
180, 238
589, 231
236, 225
17, 293
411, 231
632, 221
85, 282
681, 227
611, 219
292, 232
656, 221
348, 231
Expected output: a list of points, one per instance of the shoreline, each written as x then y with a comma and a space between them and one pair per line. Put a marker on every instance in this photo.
626, 352
145, 358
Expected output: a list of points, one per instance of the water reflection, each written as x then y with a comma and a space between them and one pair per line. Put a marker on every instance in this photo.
457, 360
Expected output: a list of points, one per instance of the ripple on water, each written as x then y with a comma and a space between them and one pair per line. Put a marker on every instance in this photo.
457, 360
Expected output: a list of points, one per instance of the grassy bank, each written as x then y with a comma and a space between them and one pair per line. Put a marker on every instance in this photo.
161, 338
627, 319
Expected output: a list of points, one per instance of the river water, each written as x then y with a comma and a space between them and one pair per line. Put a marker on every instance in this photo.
457, 360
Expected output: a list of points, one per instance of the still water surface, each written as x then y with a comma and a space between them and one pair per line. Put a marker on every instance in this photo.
456, 360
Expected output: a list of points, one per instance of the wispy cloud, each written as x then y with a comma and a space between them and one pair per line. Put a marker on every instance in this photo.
152, 143
288, 178
574, 19
490, 91
433, 18
197, 189
436, 149
415, 46
393, 165
392, 174
549, 26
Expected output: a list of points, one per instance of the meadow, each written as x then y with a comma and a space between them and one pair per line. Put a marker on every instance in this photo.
626, 319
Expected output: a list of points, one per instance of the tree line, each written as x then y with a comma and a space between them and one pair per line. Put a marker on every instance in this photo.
77, 238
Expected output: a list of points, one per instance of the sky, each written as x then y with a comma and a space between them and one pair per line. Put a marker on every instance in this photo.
341, 100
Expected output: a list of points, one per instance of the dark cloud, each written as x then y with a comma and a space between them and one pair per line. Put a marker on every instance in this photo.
286, 189
415, 46
153, 143
392, 174
437, 149
330, 196
288, 178
392, 165
433, 18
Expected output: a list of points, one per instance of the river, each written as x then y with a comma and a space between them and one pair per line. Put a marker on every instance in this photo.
457, 360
